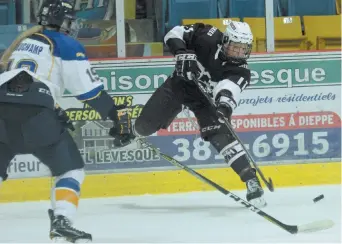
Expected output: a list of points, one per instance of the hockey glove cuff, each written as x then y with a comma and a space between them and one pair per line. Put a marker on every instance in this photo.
225, 106
187, 66
104, 105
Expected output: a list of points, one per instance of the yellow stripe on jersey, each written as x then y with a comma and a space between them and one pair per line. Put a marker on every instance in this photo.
88, 99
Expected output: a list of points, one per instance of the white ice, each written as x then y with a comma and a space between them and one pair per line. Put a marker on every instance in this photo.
199, 217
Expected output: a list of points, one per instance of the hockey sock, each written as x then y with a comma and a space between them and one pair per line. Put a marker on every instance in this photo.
66, 193
234, 155
242, 167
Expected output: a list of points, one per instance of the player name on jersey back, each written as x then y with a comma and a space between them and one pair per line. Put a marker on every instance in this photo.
30, 47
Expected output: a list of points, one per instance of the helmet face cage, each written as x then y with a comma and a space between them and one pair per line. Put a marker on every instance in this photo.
68, 25
237, 41
236, 50
73, 29
58, 14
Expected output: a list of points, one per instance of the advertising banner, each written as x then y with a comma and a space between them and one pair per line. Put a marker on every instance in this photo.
270, 138
268, 71
291, 113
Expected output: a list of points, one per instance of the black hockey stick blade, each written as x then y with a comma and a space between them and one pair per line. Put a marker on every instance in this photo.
293, 229
269, 184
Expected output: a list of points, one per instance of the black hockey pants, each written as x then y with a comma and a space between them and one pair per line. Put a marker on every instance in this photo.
29, 125
166, 102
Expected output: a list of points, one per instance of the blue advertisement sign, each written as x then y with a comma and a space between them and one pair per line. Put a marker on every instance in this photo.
267, 145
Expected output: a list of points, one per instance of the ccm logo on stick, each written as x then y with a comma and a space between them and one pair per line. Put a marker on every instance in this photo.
213, 127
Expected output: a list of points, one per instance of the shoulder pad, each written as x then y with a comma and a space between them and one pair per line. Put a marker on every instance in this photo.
66, 47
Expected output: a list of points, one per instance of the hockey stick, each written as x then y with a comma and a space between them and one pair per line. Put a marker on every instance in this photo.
269, 183
293, 229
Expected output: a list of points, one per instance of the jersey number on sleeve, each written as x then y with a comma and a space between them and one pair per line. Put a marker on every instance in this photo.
242, 83
92, 75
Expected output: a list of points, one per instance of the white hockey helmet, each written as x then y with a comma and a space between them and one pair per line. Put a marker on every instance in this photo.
237, 41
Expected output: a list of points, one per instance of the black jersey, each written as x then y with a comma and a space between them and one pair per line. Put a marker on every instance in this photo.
206, 41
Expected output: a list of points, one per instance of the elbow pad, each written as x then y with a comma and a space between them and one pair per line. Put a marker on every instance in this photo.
104, 105
176, 46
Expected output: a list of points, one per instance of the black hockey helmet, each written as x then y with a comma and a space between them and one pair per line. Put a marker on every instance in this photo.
59, 14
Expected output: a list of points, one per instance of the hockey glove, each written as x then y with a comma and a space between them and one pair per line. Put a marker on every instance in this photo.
186, 66
64, 118
225, 106
122, 129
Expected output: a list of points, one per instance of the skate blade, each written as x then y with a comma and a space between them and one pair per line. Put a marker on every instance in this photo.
64, 240
259, 202
83, 241
59, 240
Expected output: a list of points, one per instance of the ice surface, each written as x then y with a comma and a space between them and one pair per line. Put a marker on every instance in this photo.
200, 217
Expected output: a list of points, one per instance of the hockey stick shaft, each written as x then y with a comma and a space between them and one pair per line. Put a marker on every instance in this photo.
269, 183
293, 229
289, 228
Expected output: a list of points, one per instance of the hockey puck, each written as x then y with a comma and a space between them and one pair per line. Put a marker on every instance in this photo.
320, 197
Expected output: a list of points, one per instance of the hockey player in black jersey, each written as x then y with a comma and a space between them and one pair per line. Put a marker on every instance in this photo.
220, 61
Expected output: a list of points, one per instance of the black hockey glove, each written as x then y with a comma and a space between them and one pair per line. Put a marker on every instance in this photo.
122, 129
225, 105
186, 66
64, 118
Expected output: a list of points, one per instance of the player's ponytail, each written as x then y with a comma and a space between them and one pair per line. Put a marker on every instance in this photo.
7, 54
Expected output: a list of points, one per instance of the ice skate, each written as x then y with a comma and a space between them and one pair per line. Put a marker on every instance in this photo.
61, 230
255, 192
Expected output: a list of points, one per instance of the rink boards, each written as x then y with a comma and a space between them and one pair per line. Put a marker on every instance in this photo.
289, 119
120, 184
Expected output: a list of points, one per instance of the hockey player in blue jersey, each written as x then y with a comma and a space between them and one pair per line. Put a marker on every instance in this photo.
37, 67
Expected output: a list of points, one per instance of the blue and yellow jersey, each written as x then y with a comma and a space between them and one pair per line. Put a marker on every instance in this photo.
57, 60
